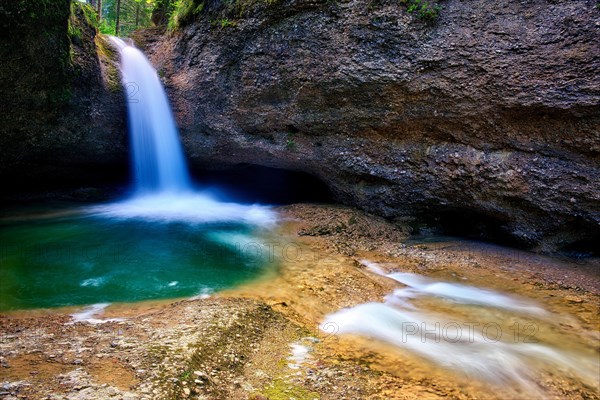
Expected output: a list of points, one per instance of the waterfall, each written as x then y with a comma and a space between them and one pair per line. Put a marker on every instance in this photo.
163, 188
158, 160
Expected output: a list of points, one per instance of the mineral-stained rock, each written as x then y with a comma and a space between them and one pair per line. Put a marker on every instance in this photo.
490, 115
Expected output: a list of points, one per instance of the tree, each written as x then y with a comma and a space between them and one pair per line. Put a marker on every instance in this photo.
131, 15
118, 16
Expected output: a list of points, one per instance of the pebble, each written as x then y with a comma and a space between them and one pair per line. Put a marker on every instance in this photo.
574, 299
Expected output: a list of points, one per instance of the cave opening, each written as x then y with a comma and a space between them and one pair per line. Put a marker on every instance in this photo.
580, 241
468, 224
250, 183
256, 184
243, 183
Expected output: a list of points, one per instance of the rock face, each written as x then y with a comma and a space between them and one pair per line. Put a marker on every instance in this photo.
485, 121
489, 118
61, 103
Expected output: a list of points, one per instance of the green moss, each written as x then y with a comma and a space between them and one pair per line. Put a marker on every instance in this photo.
221, 14
83, 11
426, 10
279, 389
82, 17
104, 49
290, 144
185, 12
109, 58
224, 13
90, 15
74, 32
222, 22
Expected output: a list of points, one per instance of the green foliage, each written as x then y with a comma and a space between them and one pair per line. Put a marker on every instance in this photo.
89, 14
81, 15
425, 10
221, 14
106, 28
184, 12
74, 32
222, 22
185, 375
133, 14
290, 144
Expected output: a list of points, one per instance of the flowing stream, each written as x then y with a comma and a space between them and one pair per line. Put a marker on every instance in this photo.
480, 334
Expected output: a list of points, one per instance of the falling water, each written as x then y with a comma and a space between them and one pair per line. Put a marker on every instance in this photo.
158, 160
163, 188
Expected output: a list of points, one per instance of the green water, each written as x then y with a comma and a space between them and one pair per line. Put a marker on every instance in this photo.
82, 259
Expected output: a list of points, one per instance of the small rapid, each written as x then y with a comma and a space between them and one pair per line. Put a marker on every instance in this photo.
480, 334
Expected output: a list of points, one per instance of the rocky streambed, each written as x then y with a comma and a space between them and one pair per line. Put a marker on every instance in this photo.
262, 340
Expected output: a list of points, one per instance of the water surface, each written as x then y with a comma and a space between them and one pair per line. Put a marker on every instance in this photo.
81, 257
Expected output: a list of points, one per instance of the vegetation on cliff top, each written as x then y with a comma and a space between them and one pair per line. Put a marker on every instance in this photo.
122, 17
180, 13
83, 16
423, 9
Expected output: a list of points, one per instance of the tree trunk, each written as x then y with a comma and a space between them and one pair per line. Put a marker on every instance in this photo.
137, 15
99, 10
118, 17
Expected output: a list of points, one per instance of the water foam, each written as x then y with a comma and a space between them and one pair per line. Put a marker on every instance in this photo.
185, 207
419, 285
89, 314
94, 282
163, 189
